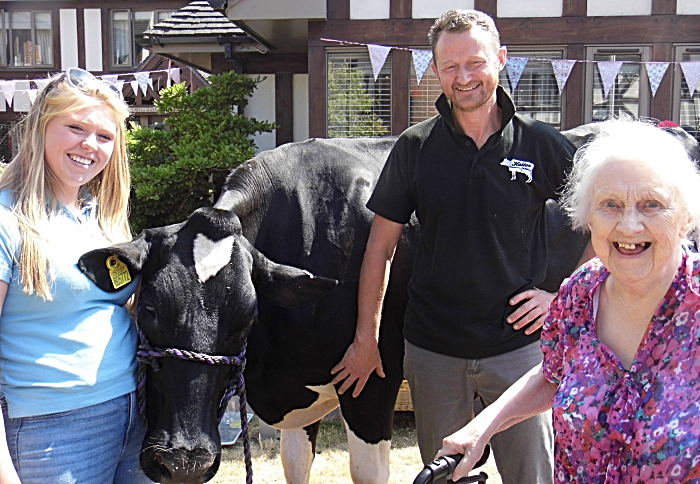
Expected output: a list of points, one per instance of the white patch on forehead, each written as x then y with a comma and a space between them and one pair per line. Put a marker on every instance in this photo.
211, 256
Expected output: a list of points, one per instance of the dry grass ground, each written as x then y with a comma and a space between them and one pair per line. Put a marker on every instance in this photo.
331, 462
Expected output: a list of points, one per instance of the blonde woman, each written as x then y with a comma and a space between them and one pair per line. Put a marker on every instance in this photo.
67, 363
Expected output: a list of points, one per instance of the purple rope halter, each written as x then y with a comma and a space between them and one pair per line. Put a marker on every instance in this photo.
148, 355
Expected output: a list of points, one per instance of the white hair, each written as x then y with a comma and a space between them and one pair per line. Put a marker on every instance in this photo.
636, 141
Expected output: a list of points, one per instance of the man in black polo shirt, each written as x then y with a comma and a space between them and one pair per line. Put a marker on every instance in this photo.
477, 176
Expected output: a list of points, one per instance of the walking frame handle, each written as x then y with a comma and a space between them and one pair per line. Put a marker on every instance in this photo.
440, 469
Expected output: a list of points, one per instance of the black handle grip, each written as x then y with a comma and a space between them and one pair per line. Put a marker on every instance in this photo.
438, 470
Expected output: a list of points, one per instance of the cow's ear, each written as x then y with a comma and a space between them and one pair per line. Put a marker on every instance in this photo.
133, 254
287, 286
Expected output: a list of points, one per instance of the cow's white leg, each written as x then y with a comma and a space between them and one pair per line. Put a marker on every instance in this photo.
369, 463
296, 446
297, 455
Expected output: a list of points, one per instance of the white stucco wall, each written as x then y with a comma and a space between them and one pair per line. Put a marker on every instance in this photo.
300, 106
69, 38
435, 8
618, 7
531, 8
262, 107
688, 7
369, 9
93, 39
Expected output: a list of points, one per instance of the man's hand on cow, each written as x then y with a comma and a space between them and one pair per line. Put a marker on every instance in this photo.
531, 314
360, 360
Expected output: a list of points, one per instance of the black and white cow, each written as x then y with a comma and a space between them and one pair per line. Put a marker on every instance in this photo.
209, 283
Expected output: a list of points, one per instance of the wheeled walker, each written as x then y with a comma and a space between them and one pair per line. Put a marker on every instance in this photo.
438, 471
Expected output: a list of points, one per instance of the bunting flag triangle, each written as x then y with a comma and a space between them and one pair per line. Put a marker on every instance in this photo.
142, 79
32, 95
41, 83
421, 61
174, 74
110, 78
515, 67
377, 54
562, 71
8, 90
134, 87
120, 84
691, 71
655, 72
608, 73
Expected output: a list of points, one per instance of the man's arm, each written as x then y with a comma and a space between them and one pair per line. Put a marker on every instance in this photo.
7, 470
362, 356
534, 311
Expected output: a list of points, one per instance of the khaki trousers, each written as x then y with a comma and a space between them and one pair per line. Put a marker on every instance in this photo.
447, 393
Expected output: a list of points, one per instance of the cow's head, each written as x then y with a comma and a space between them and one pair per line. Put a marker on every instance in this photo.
199, 286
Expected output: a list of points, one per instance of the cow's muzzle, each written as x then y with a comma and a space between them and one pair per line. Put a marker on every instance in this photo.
179, 466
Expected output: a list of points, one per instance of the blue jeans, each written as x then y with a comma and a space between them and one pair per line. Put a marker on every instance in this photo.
99, 444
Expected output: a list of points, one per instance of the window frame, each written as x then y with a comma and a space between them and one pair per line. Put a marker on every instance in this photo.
516, 51
644, 50
678, 51
131, 14
360, 52
6, 36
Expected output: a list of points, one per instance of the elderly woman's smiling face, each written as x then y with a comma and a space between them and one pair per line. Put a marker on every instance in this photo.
636, 225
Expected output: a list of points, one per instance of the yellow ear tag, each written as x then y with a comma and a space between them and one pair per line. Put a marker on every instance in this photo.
118, 272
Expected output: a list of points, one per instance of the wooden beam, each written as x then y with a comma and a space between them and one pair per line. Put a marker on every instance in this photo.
575, 8
663, 7
317, 91
400, 79
574, 109
522, 31
80, 18
662, 103
338, 9
489, 7
401, 9
106, 39
272, 63
284, 109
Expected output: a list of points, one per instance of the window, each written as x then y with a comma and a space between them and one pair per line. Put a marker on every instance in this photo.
537, 93
27, 39
629, 95
127, 27
357, 105
686, 108
536, 96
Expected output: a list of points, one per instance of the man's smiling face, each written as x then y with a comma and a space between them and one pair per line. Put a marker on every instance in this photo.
467, 65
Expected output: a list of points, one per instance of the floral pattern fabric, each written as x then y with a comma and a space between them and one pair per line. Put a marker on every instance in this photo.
618, 426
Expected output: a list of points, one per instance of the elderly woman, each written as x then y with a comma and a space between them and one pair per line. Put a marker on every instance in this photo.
621, 342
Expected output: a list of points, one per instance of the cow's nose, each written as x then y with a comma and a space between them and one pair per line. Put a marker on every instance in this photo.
185, 467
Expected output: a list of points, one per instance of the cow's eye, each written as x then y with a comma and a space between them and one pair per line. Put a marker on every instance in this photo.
149, 312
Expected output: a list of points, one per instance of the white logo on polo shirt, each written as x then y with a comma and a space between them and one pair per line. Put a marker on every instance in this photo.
519, 166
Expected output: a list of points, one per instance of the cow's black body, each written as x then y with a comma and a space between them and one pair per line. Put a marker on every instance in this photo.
303, 206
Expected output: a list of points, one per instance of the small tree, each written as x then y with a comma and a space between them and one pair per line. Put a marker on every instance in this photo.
181, 166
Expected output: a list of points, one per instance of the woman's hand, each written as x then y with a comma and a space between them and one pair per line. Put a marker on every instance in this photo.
468, 441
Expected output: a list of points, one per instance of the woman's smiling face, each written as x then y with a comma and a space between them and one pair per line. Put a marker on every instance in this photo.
78, 147
636, 225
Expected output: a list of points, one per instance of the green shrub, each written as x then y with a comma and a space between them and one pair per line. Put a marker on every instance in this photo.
181, 166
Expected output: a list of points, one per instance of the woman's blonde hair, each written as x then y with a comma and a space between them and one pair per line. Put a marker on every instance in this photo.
33, 185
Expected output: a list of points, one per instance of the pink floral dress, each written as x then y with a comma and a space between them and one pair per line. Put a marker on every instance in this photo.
619, 426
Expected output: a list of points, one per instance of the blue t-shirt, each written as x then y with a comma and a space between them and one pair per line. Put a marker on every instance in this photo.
76, 350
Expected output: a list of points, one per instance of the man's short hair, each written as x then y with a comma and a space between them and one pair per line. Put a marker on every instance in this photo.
461, 21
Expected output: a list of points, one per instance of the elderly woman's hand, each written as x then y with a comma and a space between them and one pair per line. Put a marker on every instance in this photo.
468, 441
532, 312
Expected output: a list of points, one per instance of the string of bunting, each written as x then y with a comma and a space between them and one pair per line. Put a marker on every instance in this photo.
561, 67
141, 80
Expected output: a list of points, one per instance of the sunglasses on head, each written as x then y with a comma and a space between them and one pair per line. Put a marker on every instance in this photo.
80, 79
